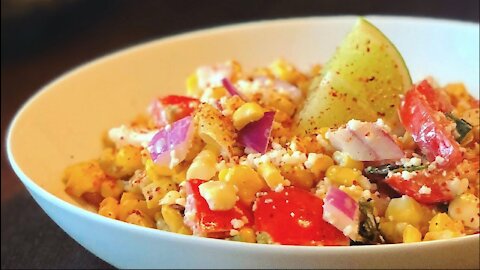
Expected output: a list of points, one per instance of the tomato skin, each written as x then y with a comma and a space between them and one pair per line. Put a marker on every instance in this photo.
168, 109
295, 217
437, 100
436, 181
427, 127
210, 223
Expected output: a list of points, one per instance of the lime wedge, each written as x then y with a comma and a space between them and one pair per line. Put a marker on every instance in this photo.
363, 81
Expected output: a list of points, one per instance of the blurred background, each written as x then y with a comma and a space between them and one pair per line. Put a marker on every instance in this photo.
41, 39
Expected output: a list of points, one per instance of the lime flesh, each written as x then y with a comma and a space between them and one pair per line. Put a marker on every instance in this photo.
363, 81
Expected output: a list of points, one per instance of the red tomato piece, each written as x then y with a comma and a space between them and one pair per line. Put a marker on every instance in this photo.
295, 217
168, 109
435, 181
428, 129
437, 99
210, 223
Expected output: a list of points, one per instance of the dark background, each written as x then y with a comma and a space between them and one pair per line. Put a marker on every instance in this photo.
42, 38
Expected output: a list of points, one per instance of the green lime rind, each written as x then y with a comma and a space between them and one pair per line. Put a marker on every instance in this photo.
363, 80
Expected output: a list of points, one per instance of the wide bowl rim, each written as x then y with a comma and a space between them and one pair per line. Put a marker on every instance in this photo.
33, 187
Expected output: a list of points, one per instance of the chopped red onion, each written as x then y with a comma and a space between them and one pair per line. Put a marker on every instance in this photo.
342, 211
171, 144
256, 135
365, 141
231, 88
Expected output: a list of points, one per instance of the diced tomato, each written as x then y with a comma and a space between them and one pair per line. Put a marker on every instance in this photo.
437, 99
210, 223
428, 129
168, 109
295, 217
435, 181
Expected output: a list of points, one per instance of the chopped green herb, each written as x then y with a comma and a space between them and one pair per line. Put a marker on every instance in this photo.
385, 169
462, 127
368, 228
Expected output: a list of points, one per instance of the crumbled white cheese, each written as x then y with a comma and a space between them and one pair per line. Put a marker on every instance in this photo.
124, 135
382, 125
406, 175
211, 76
439, 160
414, 161
425, 190
233, 232
279, 188
174, 160
354, 124
311, 159
458, 186
237, 223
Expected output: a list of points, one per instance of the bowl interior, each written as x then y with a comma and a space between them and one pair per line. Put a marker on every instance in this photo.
63, 123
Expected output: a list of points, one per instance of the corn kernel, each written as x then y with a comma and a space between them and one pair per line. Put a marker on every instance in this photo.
128, 159
464, 208
247, 181
137, 217
155, 172
320, 164
203, 166
411, 234
111, 188
247, 234
298, 176
192, 86
342, 175
407, 141
247, 113
219, 195
83, 177
445, 234
174, 220
283, 70
405, 209
392, 230
344, 160
442, 221
281, 103
272, 176
156, 190
108, 207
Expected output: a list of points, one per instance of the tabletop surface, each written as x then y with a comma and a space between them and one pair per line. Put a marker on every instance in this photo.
41, 42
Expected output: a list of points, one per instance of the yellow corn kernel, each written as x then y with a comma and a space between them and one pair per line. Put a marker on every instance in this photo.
445, 234
283, 70
214, 92
247, 113
179, 176
392, 230
245, 179
111, 188
155, 191
272, 176
130, 196
281, 103
219, 195
203, 166
107, 160
108, 207
137, 217
130, 202
320, 164
83, 177
353, 191
342, 175
247, 234
128, 159
192, 86
344, 160
298, 176
155, 172
406, 209
411, 234
464, 209
442, 221
174, 220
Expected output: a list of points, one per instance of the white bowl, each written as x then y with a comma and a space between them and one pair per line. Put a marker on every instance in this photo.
63, 123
